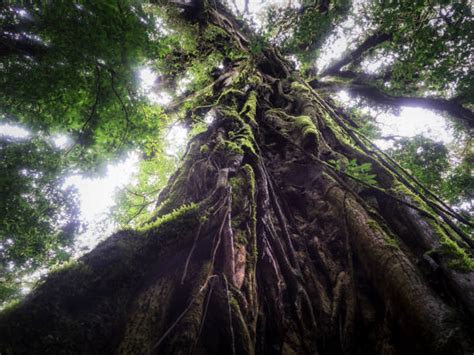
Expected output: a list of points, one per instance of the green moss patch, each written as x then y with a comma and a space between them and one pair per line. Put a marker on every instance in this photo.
308, 131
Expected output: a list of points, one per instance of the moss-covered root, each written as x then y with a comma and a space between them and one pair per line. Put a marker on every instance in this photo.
435, 238
432, 244
422, 314
249, 110
309, 134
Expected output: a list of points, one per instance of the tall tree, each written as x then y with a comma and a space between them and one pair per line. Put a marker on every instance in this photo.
283, 231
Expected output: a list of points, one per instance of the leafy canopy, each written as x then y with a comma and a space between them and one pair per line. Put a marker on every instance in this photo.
39, 220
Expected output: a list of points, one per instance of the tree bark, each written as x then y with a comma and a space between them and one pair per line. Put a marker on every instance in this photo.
261, 246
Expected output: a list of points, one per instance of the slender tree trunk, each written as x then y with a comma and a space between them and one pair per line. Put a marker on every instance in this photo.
260, 245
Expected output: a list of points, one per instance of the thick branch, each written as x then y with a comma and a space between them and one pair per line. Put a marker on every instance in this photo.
20, 46
375, 95
371, 42
361, 76
185, 3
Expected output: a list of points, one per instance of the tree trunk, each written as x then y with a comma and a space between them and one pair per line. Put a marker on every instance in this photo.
262, 244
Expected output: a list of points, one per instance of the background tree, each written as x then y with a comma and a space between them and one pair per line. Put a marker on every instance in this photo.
284, 230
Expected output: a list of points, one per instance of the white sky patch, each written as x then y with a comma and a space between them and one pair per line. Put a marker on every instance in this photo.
161, 28
295, 61
345, 37
14, 131
61, 140
96, 196
147, 78
375, 64
413, 121
183, 85
257, 8
175, 139
23, 13
148, 86
410, 122
210, 117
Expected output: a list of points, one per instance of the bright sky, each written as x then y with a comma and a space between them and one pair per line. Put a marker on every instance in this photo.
410, 122
13, 131
257, 7
344, 38
96, 196
148, 85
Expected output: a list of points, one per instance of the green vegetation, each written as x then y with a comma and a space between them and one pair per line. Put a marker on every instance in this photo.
250, 107
311, 25
39, 217
175, 221
84, 81
429, 162
136, 203
308, 131
361, 172
409, 54
431, 44
457, 257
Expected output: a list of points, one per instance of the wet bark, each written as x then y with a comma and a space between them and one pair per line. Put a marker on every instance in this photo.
261, 246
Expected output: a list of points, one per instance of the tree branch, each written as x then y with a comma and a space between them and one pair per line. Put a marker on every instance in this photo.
21, 46
371, 42
361, 76
184, 3
376, 95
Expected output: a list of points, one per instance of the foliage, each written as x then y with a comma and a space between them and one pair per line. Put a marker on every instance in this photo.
84, 81
70, 68
407, 50
136, 203
38, 216
359, 171
431, 44
301, 30
429, 162
426, 159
